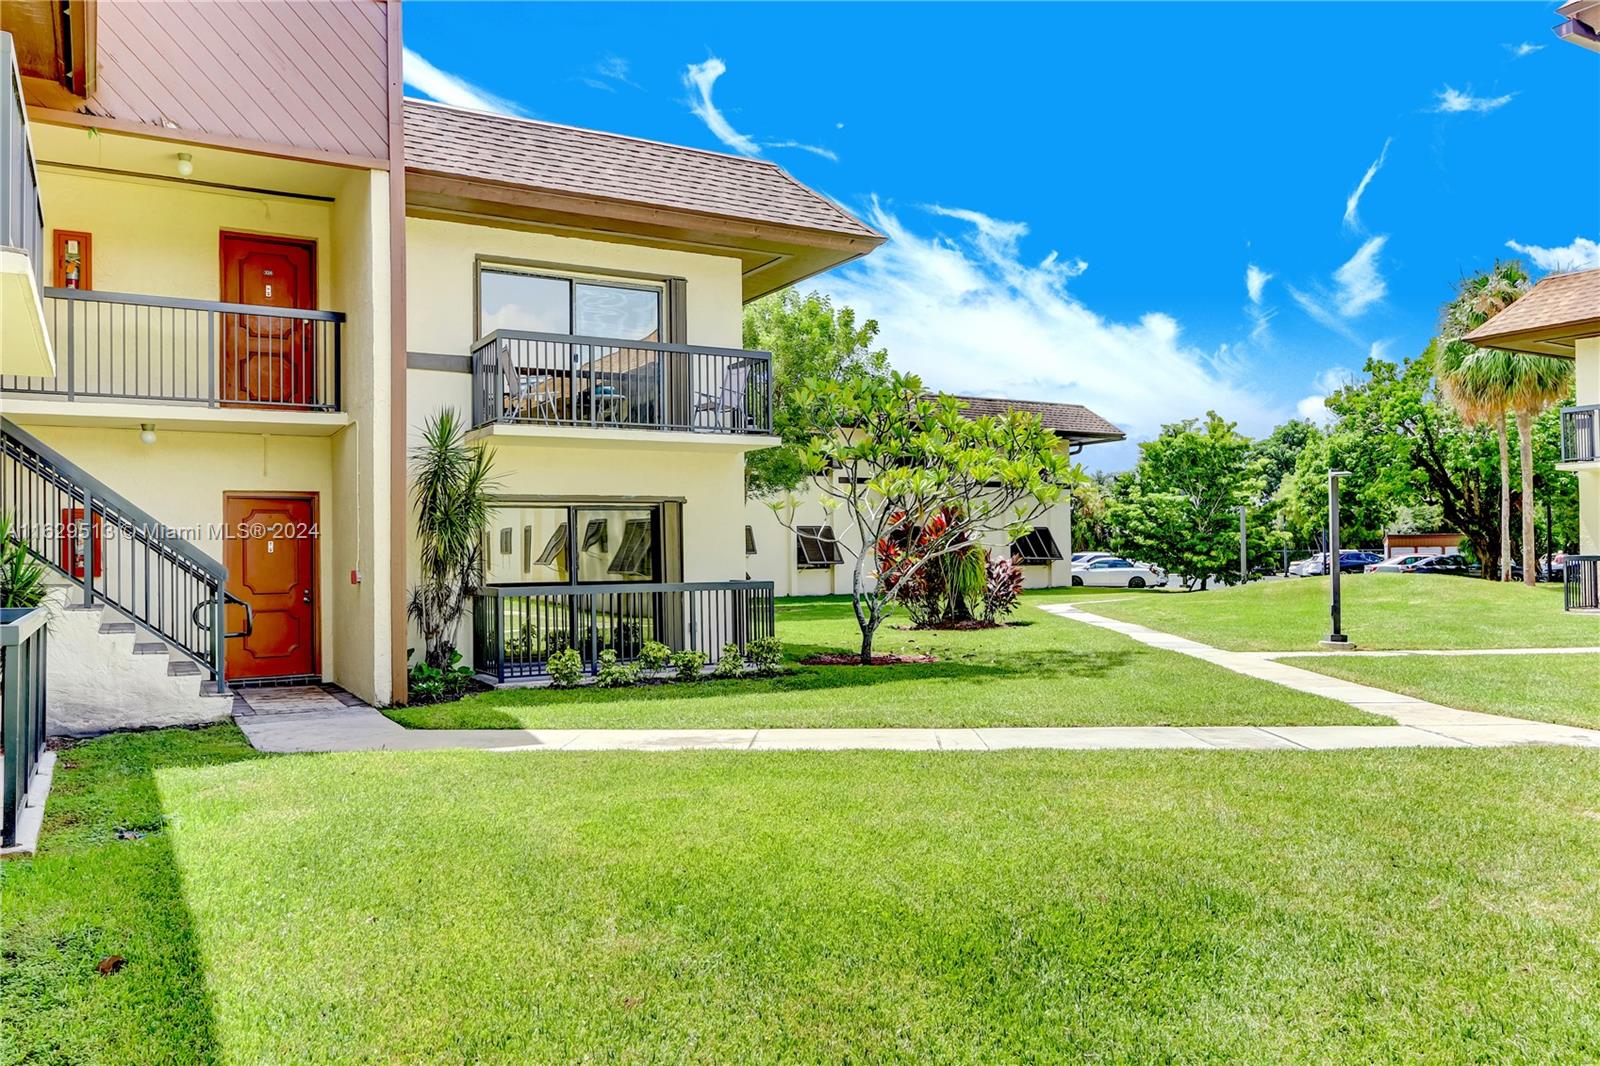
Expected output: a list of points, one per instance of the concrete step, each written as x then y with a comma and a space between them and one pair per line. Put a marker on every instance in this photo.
183, 668
151, 647
117, 627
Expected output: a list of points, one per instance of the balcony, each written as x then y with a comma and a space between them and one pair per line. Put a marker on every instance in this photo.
516, 628
547, 379
224, 362
1580, 436
23, 340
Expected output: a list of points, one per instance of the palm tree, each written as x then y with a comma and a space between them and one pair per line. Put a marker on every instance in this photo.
1487, 384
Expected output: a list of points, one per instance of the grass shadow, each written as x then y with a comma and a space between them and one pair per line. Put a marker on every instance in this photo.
105, 827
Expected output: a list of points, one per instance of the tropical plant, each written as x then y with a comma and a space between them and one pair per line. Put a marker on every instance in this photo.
654, 655
565, 668
730, 663
688, 664
766, 655
1487, 384
452, 487
888, 460
1002, 588
613, 673
22, 576
432, 684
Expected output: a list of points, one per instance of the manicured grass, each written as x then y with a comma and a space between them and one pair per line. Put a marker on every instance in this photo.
1044, 671
1549, 688
1381, 611
1129, 907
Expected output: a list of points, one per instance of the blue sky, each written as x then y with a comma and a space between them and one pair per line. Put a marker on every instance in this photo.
1076, 194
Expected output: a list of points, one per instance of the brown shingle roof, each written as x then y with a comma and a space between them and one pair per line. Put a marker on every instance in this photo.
1067, 419
566, 159
1560, 308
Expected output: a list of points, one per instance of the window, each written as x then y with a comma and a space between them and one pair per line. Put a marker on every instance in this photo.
544, 303
749, 540
564, 544
1037, 548
816, 548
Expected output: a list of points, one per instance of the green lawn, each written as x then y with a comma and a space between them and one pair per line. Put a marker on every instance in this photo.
1381, 611
1549, 688
1045, 671
1117, 907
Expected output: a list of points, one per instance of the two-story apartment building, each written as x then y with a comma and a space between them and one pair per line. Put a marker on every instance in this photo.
241, 271
791, 539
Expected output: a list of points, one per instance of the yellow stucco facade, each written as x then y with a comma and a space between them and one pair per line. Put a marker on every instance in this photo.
1588, 371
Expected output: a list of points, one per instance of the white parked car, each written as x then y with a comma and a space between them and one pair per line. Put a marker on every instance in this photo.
1111, 572
1085, 558
1398, 564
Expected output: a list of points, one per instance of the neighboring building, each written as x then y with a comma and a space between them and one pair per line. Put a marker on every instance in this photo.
1561, 316
790, 540
1398, 544
240, 271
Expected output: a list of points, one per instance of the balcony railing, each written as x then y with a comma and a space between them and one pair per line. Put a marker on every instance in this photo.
1580, 434
1582, 581
21, 214
558, 380
517, 628
22, 709
162, 349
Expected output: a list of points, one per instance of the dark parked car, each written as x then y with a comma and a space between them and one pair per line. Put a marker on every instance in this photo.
1356, 562
1458, 565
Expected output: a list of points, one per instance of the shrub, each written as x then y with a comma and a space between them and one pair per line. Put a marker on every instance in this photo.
565, 668
433, 684
615, 674
1002, 589
688, 664
730, 663
654, 655
766, 655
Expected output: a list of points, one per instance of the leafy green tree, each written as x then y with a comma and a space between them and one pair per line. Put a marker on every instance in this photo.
452, 486
1487, 384
910, 479
808, 338
1279, 451
1179, 507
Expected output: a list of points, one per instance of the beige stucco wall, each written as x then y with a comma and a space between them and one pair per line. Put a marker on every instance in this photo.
439, 279
1588, 367
160, 238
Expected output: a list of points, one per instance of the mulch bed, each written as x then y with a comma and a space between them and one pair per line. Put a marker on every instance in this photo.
846, 659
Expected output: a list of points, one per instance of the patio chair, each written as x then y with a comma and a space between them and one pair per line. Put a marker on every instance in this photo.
726, 405
530, 396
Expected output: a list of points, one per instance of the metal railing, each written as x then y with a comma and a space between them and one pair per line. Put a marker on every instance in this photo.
517, 628
115, 552
1580, 433
22, 708
21, 213
163, 349
554, 379
1582, 582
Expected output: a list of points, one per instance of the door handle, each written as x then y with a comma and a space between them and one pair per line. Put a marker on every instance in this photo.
305, 596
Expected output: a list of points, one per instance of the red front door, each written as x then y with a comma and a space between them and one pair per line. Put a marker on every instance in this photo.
271, 555
267, 360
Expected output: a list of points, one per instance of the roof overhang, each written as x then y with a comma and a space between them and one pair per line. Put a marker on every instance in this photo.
1582, 25
773, 256
1556, 340
55, 44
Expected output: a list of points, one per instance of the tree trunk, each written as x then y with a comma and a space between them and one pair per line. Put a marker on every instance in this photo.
1530, 551
867, 630
1505, 499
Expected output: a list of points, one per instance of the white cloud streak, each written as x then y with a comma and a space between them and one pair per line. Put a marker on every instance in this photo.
969, 314
1353, 201
699, 79
1452, 101
1523, 50
447, 88
1581, 254
1360, 283
1255, 283
826, 153
1315, 406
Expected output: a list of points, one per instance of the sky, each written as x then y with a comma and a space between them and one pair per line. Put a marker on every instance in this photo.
1153, 210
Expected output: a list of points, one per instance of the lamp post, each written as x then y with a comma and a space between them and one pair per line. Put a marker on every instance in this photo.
1244, 553
1337, 638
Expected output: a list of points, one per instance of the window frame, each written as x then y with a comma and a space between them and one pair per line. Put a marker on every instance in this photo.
575, 538
827, 542
573, 277
1042, 538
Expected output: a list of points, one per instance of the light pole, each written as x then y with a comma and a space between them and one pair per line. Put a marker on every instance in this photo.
1244, 554
1336, 639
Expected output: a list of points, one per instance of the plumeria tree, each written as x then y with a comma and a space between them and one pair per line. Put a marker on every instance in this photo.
910, 479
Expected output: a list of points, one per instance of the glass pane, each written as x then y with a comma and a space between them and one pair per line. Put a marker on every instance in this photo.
534, 552
618, 544
523, 301
625, 314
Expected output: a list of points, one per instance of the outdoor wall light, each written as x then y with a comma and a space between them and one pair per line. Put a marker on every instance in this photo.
185, 164
147, 432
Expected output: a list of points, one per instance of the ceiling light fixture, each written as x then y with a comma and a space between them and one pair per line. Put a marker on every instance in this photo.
147, 432
185, 164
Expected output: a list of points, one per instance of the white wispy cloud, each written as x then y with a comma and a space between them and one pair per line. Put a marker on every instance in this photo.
1329, 381
1453, 101
607, 73
447, 88
699, 79
1255, 282
1317, 307
967, 312
1523, 50
1353, 201
1581, 254
1360, 283
1255, 286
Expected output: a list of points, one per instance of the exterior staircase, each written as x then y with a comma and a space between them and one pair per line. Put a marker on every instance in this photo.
138, 633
